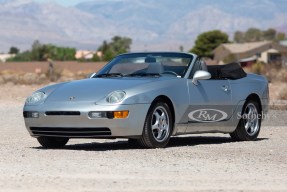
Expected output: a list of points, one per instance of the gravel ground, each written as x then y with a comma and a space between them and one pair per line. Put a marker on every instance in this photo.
209, 162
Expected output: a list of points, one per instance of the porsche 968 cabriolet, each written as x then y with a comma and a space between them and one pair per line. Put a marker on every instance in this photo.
148, 98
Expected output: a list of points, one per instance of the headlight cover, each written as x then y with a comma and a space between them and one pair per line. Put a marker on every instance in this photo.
36, 97
116, 97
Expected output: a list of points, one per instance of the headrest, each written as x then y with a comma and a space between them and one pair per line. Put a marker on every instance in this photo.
150, 60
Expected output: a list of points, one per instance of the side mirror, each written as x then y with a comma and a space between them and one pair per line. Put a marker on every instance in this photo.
200, 75
91, 75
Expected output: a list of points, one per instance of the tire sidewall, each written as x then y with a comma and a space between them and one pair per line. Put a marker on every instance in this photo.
148, 129
53, 142
241, 123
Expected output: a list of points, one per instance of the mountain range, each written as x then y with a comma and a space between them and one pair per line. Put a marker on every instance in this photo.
152, 24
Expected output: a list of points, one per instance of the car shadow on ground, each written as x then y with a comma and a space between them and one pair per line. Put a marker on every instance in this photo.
202, 140
125, 145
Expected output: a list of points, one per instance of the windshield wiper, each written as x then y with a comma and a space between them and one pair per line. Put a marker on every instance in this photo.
109, 75
143, 74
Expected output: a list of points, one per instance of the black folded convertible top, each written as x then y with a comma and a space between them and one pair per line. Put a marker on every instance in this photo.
227, 71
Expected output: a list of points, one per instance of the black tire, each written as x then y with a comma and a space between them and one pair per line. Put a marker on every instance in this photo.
152, 138
242, 133
53, 142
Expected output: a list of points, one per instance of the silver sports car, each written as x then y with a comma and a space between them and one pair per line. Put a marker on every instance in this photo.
147, 98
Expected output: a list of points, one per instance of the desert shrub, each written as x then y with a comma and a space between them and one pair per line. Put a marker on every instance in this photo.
1, 80
22, 78
282, 74
283, 93
270, 74
275, 74
9, 76
271, 71
258, 68
82, 74
55, 74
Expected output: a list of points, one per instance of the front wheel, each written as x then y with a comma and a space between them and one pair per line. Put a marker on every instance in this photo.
53, 142
158, 126
249, 125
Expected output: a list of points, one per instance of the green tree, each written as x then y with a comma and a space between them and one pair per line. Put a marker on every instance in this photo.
24, 56
269, 34
35, 51
280, 36
238, 37
43, 52
109, 55
13, 50
96, 58
104, 47
208, 41
121, 44
118, 45
252, 35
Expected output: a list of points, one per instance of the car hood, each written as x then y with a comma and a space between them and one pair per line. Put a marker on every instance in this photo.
93, 90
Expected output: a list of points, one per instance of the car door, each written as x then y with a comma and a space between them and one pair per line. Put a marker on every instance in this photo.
210, 104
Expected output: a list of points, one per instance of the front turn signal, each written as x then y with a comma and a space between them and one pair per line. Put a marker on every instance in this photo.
121, 114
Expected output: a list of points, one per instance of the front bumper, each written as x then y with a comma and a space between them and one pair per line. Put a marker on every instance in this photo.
81, 125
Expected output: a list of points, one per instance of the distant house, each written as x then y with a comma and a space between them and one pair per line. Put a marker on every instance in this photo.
85, 54
284, 42
4, 57
249, 53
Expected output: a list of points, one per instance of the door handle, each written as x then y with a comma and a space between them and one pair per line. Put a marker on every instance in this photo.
225, 88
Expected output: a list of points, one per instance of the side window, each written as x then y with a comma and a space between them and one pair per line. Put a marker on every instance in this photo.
199, 65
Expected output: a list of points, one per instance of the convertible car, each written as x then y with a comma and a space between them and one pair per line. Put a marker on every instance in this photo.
148, 98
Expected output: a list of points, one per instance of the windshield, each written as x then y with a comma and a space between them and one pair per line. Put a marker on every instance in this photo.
147, 64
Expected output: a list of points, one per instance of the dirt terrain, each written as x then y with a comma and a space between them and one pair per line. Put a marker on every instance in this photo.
209, 162
72, 66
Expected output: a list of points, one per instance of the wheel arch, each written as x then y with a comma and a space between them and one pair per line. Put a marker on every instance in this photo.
240, 134
254, 97
168, 101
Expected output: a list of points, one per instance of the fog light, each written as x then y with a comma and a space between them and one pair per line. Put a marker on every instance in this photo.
31, 114
121, 114
34, 114
97, 114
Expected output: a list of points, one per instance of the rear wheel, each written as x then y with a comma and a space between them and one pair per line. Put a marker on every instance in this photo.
158, 126
250, 123
53, 142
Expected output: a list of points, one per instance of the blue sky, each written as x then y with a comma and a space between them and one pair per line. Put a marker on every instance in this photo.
63, 2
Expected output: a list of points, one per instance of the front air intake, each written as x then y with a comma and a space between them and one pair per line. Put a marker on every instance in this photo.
71, 132
62, 113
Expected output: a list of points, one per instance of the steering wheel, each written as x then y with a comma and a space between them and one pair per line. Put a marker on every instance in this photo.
170, 72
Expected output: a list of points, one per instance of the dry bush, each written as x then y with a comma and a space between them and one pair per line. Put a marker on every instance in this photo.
258, 68
32, 78
38, 72
283, 93
1, 80
272, 72
277, 75
9, 76
55, 74
282, 75
82, 74
20, 78
67, 76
